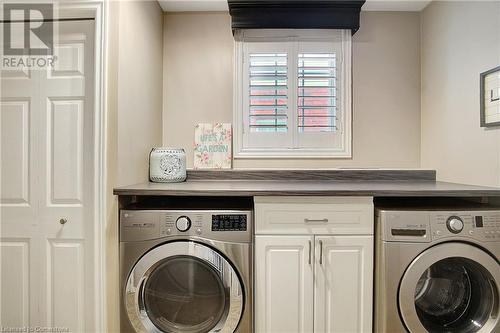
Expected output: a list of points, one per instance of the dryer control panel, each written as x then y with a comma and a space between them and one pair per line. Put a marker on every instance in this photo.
221, 225
427, 226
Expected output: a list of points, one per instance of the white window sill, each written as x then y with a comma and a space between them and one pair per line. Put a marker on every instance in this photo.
293, 154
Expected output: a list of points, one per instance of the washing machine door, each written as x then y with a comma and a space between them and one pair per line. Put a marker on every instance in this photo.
184, 286
451, 287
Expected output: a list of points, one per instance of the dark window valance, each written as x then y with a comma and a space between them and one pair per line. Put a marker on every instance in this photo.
290, 14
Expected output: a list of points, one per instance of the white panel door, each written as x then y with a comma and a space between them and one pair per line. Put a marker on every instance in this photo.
19, 193
47, 187
343, 284
284, 284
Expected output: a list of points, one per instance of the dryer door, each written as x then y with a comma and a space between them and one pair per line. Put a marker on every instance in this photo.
451, 287
184, 286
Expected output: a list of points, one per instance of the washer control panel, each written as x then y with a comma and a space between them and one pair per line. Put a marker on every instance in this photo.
427, 226
224, 225
480, 225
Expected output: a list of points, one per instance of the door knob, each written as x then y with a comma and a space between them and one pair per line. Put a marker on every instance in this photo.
63, 221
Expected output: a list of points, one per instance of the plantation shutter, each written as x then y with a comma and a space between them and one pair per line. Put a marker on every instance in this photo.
268, 92
316, 92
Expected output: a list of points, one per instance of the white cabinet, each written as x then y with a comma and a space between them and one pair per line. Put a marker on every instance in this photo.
343, 284
284, 284
317, 281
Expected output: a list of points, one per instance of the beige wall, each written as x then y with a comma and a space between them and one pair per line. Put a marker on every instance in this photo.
459, 41
198, 75
140, 87
134, 113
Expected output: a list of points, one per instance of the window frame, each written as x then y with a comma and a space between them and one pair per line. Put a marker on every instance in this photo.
299, 41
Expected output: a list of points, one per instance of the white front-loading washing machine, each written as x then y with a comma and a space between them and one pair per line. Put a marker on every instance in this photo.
437, 271
186, 271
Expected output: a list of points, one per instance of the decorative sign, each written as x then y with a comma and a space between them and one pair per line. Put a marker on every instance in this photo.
212, 146
490, 97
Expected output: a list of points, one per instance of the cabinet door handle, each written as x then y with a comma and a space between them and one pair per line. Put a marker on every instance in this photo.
306, 220
321, 252
310, 249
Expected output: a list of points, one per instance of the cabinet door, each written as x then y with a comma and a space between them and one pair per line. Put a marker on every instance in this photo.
344, 284
284, 284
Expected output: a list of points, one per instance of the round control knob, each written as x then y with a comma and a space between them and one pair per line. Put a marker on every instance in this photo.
183, 223
455, 224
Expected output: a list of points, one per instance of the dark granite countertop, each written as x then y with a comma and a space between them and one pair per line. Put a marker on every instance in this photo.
380, 188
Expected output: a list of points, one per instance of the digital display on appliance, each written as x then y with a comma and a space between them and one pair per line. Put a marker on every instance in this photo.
228, 222
479, 221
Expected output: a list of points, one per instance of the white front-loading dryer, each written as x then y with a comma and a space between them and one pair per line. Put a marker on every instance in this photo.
437, 271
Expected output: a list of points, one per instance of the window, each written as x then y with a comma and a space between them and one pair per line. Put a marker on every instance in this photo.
292, 93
